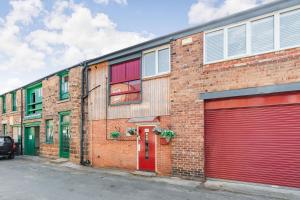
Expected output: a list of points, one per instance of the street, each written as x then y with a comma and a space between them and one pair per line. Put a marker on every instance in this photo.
25, 179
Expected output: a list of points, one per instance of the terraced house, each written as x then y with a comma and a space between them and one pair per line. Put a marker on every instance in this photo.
44, 116
229, 89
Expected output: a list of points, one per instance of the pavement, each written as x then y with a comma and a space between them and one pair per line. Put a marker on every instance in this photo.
26, 178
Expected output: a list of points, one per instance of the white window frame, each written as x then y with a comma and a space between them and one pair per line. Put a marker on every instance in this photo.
156, 50
247, 22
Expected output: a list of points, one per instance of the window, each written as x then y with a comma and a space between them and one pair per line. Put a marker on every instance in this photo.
64, 86
3, 104
34, 100
214, 46
125, 83
156, 62
4, 129
49, 131
14, 101
276, 31
290, 29
262, 35
237, 41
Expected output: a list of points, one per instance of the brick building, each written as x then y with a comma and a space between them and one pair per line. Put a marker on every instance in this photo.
229, 89
44, 116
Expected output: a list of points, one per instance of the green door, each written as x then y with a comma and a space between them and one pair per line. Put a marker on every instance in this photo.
65, 135
29, 141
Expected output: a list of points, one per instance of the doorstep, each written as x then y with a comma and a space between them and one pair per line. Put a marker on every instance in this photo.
59, 161
143, 173
253, 189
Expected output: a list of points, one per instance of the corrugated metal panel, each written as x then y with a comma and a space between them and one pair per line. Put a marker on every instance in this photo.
155, 99
257, 144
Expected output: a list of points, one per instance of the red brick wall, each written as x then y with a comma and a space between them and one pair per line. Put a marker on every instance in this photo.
190, 77
52, 106
10, 118
122, 153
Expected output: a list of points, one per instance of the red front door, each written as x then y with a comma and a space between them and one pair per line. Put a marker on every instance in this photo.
147, 149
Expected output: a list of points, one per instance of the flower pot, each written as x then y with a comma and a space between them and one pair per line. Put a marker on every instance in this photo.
163, 141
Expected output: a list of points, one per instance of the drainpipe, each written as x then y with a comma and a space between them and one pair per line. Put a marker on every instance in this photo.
22, 121
84, 71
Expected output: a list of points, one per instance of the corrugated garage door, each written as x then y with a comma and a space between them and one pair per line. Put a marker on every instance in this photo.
256, 142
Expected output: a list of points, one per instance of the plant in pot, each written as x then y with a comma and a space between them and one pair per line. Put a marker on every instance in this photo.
132, 131
157, 130
168, 135
115, 134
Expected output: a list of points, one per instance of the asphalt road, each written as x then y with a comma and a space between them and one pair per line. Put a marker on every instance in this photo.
26, 179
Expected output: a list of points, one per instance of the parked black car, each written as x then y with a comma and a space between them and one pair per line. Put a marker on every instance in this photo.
7, 147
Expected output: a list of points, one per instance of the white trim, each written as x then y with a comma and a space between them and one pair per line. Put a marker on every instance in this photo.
247, 22
137, 143
156, 50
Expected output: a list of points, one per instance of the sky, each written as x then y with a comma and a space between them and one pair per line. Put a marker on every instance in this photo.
39, 37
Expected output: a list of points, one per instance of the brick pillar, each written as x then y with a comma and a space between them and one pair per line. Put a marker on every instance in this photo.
186, 108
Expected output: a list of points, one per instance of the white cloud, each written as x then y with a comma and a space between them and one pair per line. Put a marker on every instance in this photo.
16, 54
124, 2
80, 35
11, 84
207, 10
67, 34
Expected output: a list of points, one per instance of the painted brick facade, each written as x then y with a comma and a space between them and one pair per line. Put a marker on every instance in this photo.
190, 77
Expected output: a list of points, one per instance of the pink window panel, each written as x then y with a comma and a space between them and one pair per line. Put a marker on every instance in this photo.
133, 70
118, 73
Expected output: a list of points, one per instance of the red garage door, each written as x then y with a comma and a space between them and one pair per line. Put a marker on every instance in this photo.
254, 139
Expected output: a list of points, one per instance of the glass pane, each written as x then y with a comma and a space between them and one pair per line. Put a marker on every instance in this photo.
120, 87
118, 99
66, 118
149, 65
65, 84
290, 29
237, 40
163, 60
214, 46
262, 36
134, 86
146, 145
133, 97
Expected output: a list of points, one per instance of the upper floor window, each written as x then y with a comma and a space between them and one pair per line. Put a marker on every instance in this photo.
262, 35
64, 86
3, 104
290, 29
274, 32
156, 61
34, 98
125, 82
13, 101
237, 41
214, 46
